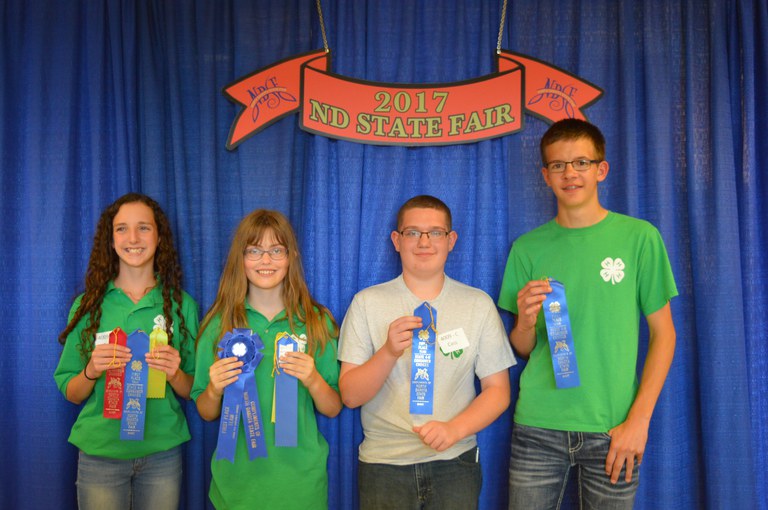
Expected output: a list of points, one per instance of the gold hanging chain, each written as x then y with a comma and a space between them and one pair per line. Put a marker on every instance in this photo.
501, 25
322, 25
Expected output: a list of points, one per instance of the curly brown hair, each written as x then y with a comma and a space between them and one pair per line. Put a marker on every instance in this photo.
104, 265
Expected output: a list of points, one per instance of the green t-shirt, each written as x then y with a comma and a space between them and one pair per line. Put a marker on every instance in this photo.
166, 424
612, 272
288, 478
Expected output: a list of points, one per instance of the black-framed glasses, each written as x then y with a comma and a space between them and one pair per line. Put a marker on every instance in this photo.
580, 165
278, 253
413, 234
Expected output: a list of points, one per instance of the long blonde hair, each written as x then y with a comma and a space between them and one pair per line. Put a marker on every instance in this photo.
233, 285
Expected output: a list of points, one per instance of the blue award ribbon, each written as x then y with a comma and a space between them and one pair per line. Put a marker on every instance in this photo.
135, 388
423, 360
241, 398
286, 396
560, 338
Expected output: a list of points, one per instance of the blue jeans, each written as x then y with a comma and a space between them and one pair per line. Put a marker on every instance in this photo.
541, 461
441, 484
151, 482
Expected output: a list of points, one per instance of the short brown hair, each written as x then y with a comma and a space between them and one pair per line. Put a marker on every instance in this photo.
424, 202
573, 129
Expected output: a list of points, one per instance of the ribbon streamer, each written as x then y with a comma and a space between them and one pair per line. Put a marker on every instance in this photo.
135, 394
113, 385
423, 361
560, 338
286, 396
241, 398
157, 378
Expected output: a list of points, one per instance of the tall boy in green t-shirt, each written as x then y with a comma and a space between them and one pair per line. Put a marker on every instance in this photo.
587, 409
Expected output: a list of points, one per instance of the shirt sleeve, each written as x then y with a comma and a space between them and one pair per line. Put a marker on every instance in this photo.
355, 344
187, 345
656, 282
71, 362
516, 274
204, 357
494, 351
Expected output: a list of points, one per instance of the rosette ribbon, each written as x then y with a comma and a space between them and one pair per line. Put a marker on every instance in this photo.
241, 398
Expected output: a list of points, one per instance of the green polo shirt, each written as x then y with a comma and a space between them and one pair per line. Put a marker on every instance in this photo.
166, 425
287, 477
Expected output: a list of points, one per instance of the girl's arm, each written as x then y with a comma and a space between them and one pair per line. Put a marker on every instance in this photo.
104, 356
302, 366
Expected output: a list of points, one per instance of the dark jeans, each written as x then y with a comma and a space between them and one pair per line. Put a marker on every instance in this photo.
441, 484
541, 461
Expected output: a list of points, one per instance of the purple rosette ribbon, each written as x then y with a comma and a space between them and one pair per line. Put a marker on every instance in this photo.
241, 398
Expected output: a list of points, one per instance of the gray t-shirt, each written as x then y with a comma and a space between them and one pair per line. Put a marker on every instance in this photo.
387, 423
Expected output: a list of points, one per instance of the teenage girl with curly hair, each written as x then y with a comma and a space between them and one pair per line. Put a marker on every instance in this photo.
133, 282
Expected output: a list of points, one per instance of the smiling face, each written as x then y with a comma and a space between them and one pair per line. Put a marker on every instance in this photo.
575, 191
423, 257
264, 273
134, 235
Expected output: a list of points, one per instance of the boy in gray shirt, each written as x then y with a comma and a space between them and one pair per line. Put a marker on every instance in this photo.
410, 457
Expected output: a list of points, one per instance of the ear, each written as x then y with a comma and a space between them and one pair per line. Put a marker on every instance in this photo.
452, 237
395, 237
602, 171
545, 174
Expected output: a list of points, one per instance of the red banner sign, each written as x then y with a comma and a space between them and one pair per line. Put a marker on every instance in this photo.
396, 114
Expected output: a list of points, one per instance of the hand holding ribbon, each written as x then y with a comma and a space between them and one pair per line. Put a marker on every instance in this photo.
400, 334
300, 365
223, 372
529, 302
165, 359
107, 356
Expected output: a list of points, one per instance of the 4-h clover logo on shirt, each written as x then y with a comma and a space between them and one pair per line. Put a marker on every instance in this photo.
613, 270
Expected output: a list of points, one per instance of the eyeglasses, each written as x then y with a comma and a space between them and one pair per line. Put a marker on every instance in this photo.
254, 254
411, 233
580, 165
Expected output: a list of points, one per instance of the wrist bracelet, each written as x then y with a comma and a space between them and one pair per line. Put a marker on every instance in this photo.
85, 374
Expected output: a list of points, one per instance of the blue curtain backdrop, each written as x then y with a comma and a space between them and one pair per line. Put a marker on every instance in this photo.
98, 98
